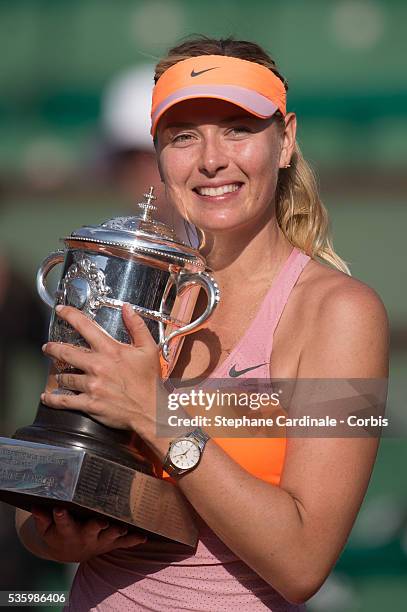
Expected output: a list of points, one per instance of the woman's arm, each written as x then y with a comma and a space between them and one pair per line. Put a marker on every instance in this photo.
292, 535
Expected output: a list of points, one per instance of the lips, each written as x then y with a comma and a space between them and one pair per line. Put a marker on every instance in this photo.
218, 190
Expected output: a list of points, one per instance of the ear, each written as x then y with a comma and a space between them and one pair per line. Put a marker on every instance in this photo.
288, 142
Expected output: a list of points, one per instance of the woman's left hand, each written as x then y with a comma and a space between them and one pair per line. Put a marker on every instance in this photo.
120, 382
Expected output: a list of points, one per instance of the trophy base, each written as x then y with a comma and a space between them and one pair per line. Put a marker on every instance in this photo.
74, 429
34, 474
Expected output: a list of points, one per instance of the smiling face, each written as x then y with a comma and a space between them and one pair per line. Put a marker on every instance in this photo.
220, 164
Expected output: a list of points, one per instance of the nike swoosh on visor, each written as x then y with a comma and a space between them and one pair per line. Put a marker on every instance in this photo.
195, 74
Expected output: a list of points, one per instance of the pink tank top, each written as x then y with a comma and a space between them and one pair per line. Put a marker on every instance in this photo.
160, 576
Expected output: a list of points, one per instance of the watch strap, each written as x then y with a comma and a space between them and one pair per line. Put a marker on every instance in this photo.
200, 436
171, 469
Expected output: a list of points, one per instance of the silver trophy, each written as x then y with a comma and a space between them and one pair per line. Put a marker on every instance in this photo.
66, 457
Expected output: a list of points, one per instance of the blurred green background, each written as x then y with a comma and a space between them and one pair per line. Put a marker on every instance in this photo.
345, 64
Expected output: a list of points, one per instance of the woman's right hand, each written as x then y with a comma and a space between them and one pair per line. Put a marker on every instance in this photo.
70, 541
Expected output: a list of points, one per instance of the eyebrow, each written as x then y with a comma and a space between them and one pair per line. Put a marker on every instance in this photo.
178, 125
244, 117
184, 124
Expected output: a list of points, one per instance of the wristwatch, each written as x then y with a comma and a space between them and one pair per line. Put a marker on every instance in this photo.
185, 453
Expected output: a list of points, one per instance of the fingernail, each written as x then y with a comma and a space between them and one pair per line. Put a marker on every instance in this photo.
44, 347
58, 308
59, 513
42, 397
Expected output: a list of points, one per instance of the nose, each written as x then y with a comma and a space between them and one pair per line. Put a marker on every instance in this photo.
213, 156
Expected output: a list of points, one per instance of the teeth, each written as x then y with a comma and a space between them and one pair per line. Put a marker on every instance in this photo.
217, 191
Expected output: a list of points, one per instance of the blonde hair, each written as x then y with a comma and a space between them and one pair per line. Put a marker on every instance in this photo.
300, 212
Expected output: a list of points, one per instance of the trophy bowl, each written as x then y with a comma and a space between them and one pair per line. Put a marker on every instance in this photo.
67, 458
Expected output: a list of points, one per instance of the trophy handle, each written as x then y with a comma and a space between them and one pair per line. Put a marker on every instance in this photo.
49, 262
185, 280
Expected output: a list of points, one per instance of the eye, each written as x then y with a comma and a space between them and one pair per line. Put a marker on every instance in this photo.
181, 138
240, 130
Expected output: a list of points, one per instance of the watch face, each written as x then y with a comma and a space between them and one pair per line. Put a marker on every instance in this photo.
185, 454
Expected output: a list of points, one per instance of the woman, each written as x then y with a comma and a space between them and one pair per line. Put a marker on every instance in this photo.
275, 513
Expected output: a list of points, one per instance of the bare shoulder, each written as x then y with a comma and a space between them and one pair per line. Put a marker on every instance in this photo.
346, 322
331, 292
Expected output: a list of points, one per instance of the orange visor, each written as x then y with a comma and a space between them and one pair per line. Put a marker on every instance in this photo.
249, 85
